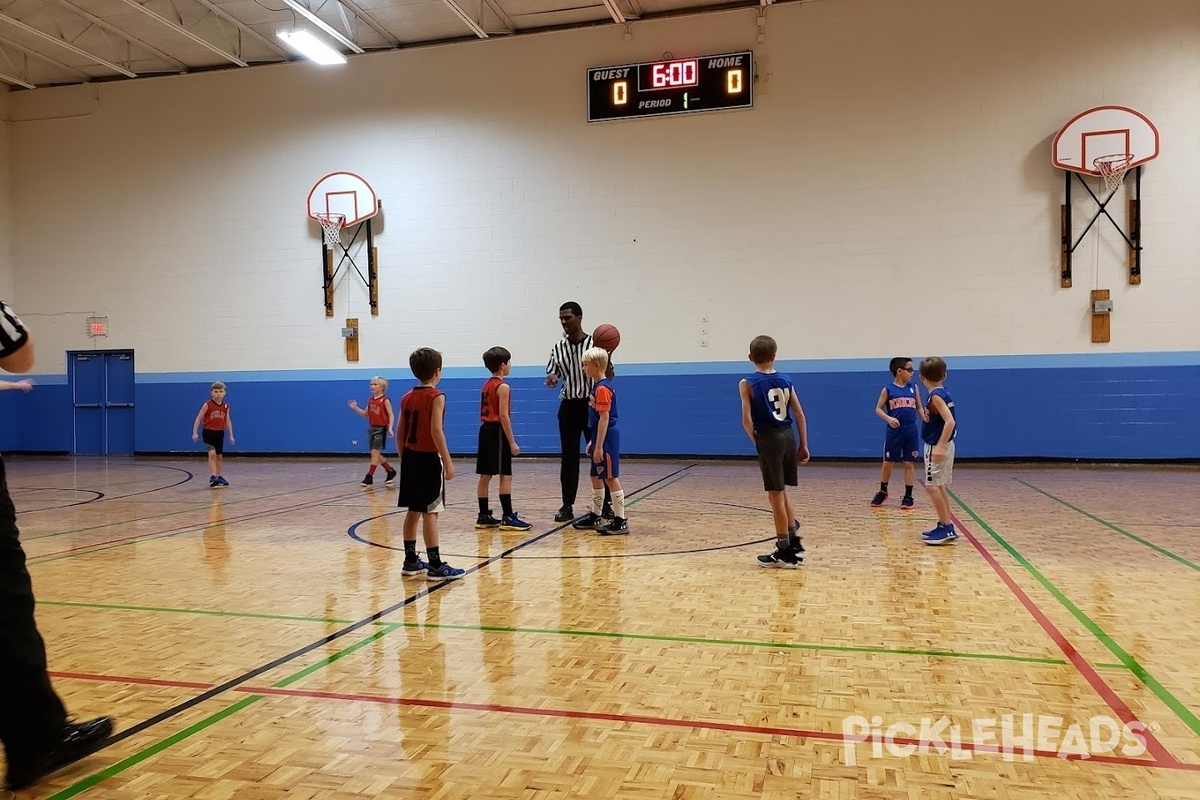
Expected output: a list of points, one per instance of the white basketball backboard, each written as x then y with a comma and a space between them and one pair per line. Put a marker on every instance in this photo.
343, 193
1105, 131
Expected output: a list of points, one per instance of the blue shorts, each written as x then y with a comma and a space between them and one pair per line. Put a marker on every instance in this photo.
610, 464
902, 444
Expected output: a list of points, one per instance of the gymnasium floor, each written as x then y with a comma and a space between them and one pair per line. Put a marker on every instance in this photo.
259, 641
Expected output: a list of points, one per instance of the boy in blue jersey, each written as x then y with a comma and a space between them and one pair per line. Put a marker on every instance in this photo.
938, 434
899, 405
604, 448
769, 406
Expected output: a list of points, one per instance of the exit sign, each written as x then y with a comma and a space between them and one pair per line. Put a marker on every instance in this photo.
97, 326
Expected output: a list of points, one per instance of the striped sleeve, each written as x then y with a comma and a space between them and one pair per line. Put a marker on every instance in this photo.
12, 333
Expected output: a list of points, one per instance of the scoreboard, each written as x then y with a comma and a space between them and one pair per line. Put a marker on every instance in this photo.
678, 86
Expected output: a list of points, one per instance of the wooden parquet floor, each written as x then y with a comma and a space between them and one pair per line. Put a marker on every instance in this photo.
259, 641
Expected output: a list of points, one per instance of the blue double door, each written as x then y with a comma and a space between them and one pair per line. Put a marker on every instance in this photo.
102, 398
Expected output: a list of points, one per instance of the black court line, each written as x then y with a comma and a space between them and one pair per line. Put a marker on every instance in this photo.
232, 683
100, 495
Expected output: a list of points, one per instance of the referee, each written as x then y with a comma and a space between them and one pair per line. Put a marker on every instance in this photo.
566, 364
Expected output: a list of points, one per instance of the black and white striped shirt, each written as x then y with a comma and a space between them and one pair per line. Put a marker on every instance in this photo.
566, 361
13, 334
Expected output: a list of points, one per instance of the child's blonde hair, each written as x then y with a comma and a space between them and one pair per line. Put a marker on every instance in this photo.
217, 385
596, 355
382, 381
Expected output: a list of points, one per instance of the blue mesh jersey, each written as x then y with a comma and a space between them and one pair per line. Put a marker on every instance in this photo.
770, 400
602, 398
932, 431
902, 403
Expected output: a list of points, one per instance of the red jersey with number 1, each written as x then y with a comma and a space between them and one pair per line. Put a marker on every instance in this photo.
416, 419
215, 415
489, 404
377, 411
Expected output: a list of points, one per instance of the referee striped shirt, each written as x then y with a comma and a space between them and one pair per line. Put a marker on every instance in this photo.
566, 361
12, 333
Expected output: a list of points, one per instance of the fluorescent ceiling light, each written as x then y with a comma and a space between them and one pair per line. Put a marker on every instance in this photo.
311, 47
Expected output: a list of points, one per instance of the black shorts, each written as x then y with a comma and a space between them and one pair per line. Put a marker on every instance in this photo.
376, 436
494, 456
213, 440
776, 457
421, 487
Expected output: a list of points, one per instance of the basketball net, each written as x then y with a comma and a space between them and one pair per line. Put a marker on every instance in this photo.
332, 225
1112, 169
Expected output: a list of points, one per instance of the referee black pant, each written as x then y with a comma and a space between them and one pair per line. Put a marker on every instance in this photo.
572, 429
31, 714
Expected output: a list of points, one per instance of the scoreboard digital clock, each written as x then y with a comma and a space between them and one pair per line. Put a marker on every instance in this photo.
679, 86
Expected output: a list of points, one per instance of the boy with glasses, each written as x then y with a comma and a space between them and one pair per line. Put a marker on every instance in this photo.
899, 405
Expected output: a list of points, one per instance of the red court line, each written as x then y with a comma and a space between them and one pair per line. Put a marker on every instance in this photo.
963, 747
195, 526
88, 676
704, 725
1123, 712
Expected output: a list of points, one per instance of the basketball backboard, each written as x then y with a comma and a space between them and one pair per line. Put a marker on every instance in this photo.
343, 193
1105, 131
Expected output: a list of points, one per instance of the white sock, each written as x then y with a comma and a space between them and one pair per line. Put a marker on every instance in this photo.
618, 499
597, 500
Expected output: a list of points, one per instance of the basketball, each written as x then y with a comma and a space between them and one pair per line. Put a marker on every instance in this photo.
606, 336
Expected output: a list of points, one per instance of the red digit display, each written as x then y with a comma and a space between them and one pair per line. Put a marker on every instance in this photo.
673, 74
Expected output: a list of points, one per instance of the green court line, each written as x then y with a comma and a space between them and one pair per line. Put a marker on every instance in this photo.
1127, 661
833, 648
154, 749
192, 730
1161, 550
648, 637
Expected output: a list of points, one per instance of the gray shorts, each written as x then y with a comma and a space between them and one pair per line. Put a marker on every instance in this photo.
376, 436
939, 474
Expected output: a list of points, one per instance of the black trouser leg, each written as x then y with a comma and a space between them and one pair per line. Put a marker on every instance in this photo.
572, 427
31, 714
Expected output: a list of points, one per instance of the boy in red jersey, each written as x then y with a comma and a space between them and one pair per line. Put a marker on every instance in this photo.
215, 416
497, 445
424, 461
381, 423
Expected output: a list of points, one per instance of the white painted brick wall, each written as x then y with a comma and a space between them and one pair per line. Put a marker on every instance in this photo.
891, 191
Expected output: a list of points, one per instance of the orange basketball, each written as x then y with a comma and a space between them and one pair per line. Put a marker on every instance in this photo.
606, 336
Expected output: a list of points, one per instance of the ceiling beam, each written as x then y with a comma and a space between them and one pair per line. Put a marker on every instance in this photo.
465, 17
371, 23
182, 31
243, 27
16, 81
67, 45
320, 23
29, 52
108, 26
505, 20
614, 11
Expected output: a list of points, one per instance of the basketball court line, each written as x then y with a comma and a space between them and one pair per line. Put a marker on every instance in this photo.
198, 507
104, 496
1157, 548
1098, 684
112, 544
233, 683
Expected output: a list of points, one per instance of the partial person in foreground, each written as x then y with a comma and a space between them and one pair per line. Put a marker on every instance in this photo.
38, 738
938, 434
770, 407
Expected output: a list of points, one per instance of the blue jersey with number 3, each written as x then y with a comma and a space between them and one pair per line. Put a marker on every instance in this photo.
770, 400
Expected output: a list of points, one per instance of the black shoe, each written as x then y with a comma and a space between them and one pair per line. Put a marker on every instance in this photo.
606, 513
78, 740
618, 527
368, 480
587, 522
391, 476
565, 514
